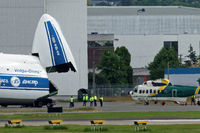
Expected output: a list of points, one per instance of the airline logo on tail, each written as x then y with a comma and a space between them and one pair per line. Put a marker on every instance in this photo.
57, 51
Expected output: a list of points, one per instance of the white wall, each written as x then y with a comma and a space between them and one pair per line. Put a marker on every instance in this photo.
72, 17
184, 79
143, 48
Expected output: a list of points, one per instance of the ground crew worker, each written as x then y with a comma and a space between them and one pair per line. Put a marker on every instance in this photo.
91, 101
84, 100
193, 100
71, 102
95, 100
101, 101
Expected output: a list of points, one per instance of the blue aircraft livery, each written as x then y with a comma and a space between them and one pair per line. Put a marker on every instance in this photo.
24, 83
57, 51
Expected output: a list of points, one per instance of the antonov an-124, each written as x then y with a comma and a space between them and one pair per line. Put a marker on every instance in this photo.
23, 78
163, 90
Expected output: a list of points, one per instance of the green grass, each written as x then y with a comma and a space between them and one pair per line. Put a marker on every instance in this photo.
100, 115
107, 129
24, 110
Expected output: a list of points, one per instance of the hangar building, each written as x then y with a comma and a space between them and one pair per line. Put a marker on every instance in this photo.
19, 20
144, 30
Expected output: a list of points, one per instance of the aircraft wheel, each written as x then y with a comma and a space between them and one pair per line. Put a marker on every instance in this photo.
39, 104
4, 106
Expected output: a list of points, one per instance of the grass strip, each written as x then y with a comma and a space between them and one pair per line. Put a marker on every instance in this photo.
107, 129
100, 115
23, 110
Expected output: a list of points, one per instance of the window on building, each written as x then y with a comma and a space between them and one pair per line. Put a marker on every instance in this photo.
140, 91
171, 44
147, 91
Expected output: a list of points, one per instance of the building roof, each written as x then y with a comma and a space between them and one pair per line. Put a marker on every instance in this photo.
182, 71
140, 71
136, 10
144, 20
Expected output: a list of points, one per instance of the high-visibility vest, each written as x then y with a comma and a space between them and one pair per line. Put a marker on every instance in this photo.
91, 99
101, 98
86, 98
95, 97
72, 99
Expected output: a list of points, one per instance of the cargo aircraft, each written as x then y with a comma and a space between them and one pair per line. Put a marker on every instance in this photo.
23, 78
163, 90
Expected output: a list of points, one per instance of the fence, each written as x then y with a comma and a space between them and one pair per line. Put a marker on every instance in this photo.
113, 90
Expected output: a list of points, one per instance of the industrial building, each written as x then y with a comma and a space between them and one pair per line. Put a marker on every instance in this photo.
183, 76
19, 19
144, 30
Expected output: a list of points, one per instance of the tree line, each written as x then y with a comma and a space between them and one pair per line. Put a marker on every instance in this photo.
188, 3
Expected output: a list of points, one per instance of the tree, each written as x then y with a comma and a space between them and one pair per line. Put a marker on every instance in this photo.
125, 2
124, 54
115, 67
161, 61
99, 79
192, 57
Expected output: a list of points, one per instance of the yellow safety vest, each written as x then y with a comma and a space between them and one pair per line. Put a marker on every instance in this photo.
101, 98
71, 99
83, 98
86, 98
91, 99
95, 97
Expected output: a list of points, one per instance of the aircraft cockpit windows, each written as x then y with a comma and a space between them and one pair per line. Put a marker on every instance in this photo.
158, 84
150, 90
145, 83
140, 91
136, 89
147, 91
170, 84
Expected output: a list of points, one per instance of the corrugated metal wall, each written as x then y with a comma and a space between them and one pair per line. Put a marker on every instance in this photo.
18, 22
144, 25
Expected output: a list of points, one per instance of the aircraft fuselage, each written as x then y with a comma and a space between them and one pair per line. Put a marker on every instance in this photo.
22, 79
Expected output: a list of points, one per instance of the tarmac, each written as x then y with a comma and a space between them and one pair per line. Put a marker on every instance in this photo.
115, 107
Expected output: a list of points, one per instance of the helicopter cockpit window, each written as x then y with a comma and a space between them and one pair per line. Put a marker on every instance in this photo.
158, 84
136, 89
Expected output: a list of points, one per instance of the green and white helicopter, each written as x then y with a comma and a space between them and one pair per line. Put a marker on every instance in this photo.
163, 90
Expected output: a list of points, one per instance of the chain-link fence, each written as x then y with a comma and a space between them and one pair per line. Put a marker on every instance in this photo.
111, 90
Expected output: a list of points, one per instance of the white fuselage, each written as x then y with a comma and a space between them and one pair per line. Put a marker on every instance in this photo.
22, 79
147, 92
